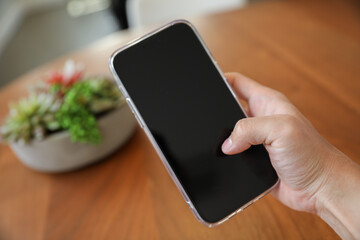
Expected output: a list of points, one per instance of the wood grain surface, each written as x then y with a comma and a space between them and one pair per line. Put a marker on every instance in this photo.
309, 50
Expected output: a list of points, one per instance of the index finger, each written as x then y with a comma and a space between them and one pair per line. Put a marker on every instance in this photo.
262, 101
246, 88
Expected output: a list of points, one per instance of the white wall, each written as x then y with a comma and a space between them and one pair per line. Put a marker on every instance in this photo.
150, 12
12, 13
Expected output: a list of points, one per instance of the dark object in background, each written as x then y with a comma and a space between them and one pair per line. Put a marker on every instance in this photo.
118, 8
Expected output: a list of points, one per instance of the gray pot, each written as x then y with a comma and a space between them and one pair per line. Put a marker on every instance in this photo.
57, 153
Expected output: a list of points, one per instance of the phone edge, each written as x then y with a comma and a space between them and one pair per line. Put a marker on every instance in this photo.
150, 136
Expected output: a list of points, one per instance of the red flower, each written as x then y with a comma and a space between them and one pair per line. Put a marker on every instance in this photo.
59, 78
68, 76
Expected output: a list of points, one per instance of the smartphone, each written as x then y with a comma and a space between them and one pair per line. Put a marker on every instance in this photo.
184, 104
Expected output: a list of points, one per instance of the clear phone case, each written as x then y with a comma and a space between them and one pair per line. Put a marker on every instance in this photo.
151, 137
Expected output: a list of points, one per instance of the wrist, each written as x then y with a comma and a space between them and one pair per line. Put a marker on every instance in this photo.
338, 198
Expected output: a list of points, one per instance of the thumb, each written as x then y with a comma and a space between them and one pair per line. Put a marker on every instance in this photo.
254, 131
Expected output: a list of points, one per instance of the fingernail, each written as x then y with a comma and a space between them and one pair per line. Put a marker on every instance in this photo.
226, 147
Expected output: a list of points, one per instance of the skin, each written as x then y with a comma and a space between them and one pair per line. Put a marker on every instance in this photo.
314, 176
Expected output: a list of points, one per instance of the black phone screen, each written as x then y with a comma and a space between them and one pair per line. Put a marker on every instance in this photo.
189, 110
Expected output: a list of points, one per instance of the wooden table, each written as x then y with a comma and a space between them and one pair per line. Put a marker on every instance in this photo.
308, 50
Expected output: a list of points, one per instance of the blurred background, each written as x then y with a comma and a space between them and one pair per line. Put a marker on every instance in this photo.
33, 32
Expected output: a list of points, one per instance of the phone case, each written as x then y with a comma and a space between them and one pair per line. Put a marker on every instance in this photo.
150, 136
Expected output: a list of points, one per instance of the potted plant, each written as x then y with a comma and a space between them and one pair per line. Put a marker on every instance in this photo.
68, 121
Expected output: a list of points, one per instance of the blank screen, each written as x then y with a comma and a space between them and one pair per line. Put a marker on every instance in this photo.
190, 111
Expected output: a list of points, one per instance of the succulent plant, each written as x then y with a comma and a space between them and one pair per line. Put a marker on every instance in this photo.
66, 101
82, 102
31, 118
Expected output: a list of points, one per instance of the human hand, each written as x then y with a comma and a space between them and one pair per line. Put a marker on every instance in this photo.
304, 161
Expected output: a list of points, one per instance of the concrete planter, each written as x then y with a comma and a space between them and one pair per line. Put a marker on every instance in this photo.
57, 153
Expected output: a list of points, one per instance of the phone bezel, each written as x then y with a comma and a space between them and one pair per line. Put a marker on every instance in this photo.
143, 125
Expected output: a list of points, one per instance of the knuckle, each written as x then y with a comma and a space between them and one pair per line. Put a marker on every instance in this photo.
289, 125
275, 94
279, 95
240, 127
